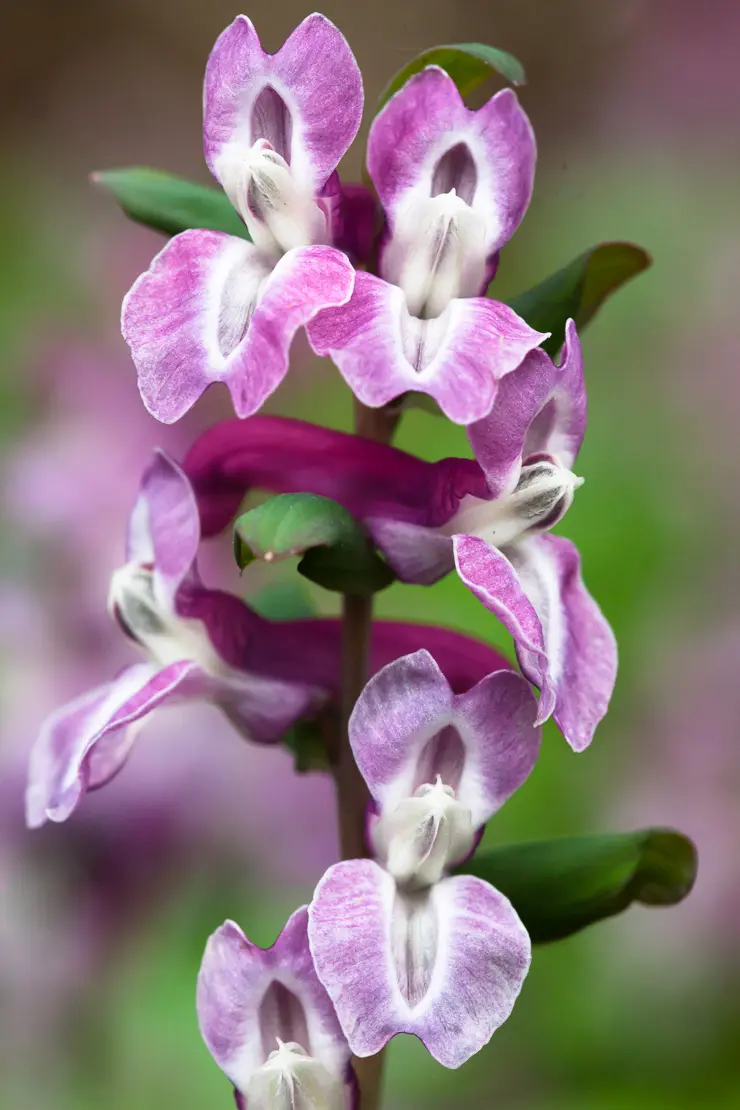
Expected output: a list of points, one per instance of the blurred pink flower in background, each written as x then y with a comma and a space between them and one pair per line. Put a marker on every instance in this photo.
689, 771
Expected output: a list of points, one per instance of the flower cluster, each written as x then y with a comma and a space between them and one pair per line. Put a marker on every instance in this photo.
403, 935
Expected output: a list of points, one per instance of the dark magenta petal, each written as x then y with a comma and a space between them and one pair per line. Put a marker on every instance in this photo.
289, 456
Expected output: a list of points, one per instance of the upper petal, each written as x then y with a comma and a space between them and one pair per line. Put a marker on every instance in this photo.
446, 965
248, 997
370, 479
306, 99
164, 528
540, 407
426, 141
212, 308
458, 358
408, 727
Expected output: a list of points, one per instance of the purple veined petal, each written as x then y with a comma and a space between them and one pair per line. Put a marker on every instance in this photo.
212, 309
445, 965
458, 358
164, 528
408, 727
581, 648
61, 766
488, 574
306, 99
540, 407
417, 554
370, 479
82, 745
426, 142
249, 997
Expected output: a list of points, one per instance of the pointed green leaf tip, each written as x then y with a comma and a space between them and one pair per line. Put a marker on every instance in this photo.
578, 290
336, 551
558, 887
468, 64
168, 203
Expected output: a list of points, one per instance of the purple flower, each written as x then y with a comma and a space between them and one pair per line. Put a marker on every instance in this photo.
198, 643
202, 644
400, 946
214, 307
488, 518
454, 184
269, 1024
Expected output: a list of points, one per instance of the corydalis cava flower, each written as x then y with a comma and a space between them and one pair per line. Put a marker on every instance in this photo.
202, 644
270, 1025
214, 307
454, 184
400, 946
195, 642
487, 518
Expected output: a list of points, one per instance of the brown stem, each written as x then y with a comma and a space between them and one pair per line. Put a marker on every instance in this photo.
352, 793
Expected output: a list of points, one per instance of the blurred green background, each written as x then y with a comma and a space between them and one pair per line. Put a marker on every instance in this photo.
103, 920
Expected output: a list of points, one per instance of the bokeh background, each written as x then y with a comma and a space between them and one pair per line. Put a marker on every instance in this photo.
103, 920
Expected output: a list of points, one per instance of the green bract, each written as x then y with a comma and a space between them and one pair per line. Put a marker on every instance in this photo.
336, 551
560, 886
468, 64
169, 203
578, 290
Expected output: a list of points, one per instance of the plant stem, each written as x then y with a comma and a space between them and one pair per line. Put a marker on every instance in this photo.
352, 793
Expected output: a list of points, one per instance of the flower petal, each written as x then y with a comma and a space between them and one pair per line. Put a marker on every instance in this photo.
446, 966
563, 642
491, 577
306, 100
581, 648
540, 407
239, 995
164, 529
407, 708
397, 714
457, 358
210, 308
60, 769
417, 554
370, 479
82, 745
426, 141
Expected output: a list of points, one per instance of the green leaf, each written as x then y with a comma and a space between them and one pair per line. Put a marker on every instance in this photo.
336, 551
468, 64
578, 290
560, 886
282, 601
310, 742
168, 203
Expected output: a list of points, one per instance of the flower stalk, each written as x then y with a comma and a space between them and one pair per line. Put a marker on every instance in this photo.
353, 795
